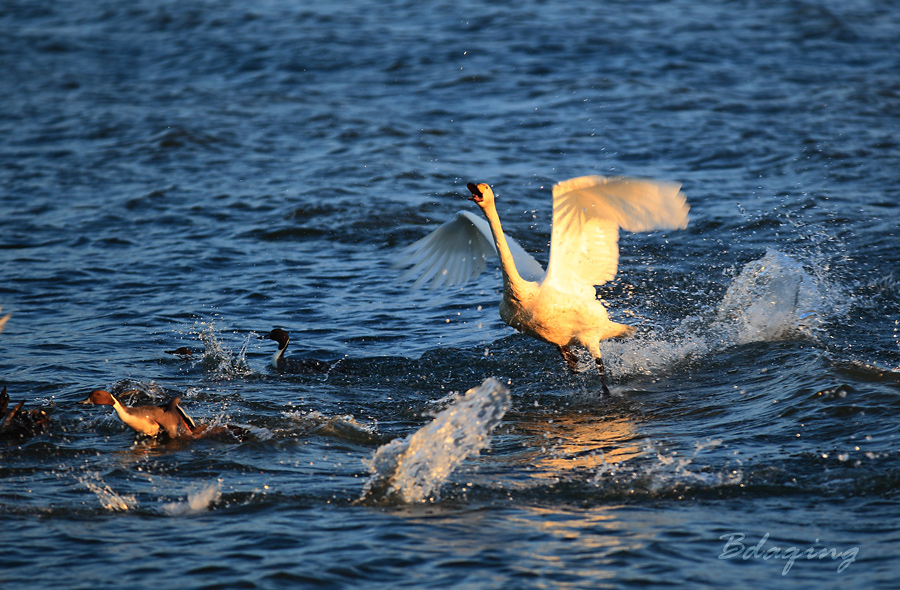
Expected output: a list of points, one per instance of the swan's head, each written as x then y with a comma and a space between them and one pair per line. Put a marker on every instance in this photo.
481, 194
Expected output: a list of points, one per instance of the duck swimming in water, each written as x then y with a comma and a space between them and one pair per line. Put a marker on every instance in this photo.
170, 419
147, 420
183, 352
294, 365
559, 306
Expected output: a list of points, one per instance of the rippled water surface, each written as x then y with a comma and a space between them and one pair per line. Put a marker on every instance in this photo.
196, 173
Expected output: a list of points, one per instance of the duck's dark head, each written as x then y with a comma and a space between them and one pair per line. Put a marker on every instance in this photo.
279, 336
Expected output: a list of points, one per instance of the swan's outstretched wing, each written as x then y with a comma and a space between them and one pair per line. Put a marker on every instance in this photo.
457, 252
587, 214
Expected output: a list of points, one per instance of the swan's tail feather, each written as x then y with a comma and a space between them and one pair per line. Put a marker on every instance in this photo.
622, 331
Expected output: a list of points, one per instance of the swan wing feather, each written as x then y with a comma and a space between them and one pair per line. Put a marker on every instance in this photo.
457, 252
587, 214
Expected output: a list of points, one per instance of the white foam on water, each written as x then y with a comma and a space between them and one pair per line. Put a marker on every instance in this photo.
196, 502
774, 298
412, 469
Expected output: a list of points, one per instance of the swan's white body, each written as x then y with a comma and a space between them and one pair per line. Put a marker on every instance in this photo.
561, 305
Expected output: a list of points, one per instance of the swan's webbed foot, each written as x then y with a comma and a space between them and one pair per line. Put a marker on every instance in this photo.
570, 358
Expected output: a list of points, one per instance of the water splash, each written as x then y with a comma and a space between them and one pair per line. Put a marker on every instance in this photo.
674, 469
131, 392
219, 358
195, 502
412, 469
109, 499
667, 472
773, 298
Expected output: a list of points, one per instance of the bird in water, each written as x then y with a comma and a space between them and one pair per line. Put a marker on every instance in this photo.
294, 365
169, 420
147, 420
185, 353
559, 306
18, 423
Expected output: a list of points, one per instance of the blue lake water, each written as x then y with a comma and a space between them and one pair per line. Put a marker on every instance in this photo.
197, 173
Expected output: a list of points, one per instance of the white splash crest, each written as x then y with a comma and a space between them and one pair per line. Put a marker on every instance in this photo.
195, 502
773, 298
412, 469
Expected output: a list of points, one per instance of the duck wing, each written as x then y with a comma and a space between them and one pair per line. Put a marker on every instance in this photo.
174, 406
457, 252
11, 423
587, 214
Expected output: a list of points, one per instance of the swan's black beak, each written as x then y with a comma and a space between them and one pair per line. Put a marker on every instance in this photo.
476, 192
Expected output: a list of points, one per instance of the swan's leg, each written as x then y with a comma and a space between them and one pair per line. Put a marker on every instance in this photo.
570, 357
600, 368
594, 349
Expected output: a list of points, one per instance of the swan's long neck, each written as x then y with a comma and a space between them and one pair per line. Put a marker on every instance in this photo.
512, 282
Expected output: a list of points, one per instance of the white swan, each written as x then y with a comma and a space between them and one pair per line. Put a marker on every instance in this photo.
561, 305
